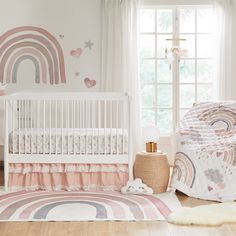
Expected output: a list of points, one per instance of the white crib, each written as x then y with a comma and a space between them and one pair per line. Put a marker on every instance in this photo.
91, 128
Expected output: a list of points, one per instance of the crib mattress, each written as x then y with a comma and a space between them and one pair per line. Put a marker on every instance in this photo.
69, 141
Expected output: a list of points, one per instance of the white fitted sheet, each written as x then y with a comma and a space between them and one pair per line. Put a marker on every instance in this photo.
69, 141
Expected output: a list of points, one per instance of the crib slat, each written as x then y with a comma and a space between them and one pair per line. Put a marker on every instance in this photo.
99, 125
13, 124
6, 146
117, 125
50, 126
38, 125
68, 124
90, 127
19, 120
23, 121
44, 127
55, 133
74, 127
31, 128
86, 125
111, 127
123, 124
93, 125
80, 125
62, 114
28, 134
26, 128
105, 121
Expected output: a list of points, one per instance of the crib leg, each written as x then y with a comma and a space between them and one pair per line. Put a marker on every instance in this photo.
5, 175
6, 148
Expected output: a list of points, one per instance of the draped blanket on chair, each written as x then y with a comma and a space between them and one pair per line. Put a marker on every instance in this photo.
205, 162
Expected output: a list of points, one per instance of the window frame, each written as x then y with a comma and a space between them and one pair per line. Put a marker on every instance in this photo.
175, 108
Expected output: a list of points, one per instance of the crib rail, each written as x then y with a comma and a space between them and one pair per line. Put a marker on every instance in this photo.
57, 123
67, 128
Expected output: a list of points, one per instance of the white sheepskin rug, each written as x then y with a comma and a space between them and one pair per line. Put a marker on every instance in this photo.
208, 215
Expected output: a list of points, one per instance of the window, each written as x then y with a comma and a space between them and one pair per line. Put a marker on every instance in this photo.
169, 89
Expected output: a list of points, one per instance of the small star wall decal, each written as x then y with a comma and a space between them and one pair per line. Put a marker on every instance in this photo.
88, 44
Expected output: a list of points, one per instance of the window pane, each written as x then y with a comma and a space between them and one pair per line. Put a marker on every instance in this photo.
148, 95
204, 93
204, 46
164, 94
187, 71
164, 21
164, 121
161, 45
204, 20
164, 74
147, 20
148, 117
187, 96
204, 71
147, 71
189, 44
147, 46
187, 21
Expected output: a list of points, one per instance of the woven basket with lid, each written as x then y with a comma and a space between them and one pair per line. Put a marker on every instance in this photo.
153, 169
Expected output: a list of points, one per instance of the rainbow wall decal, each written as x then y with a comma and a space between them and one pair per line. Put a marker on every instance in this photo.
37, 45
184, 169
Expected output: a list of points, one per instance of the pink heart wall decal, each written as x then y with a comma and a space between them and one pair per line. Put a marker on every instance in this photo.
89, 83
76, 52
210, 188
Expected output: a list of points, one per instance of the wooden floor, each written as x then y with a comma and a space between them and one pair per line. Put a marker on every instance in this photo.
146, 228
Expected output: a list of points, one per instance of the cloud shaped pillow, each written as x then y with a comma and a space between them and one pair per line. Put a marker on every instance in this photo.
136, 187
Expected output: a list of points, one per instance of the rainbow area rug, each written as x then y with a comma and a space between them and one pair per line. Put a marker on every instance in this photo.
85, 206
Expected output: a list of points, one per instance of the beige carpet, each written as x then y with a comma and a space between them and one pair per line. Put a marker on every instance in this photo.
210, 215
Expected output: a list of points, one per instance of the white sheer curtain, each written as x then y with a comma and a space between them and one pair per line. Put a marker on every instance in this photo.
120, 55
225, 19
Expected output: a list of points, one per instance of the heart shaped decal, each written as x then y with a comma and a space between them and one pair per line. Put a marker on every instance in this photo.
210, 188
89, 83
76, 53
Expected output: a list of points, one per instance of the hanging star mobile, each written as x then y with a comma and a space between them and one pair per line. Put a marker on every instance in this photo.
88, 44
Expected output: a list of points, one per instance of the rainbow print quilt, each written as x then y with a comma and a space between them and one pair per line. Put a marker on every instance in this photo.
205, 162
84, 206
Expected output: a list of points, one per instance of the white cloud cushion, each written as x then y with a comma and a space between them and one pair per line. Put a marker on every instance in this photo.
136, 187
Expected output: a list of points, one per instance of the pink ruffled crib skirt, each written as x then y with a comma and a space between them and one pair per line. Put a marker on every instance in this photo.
67, 176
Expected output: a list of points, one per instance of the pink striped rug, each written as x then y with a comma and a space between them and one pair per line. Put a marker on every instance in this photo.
83, 206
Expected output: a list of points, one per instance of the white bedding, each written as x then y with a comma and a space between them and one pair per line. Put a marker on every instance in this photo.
68, 141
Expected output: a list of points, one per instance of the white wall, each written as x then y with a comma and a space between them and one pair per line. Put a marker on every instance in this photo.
77, 20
